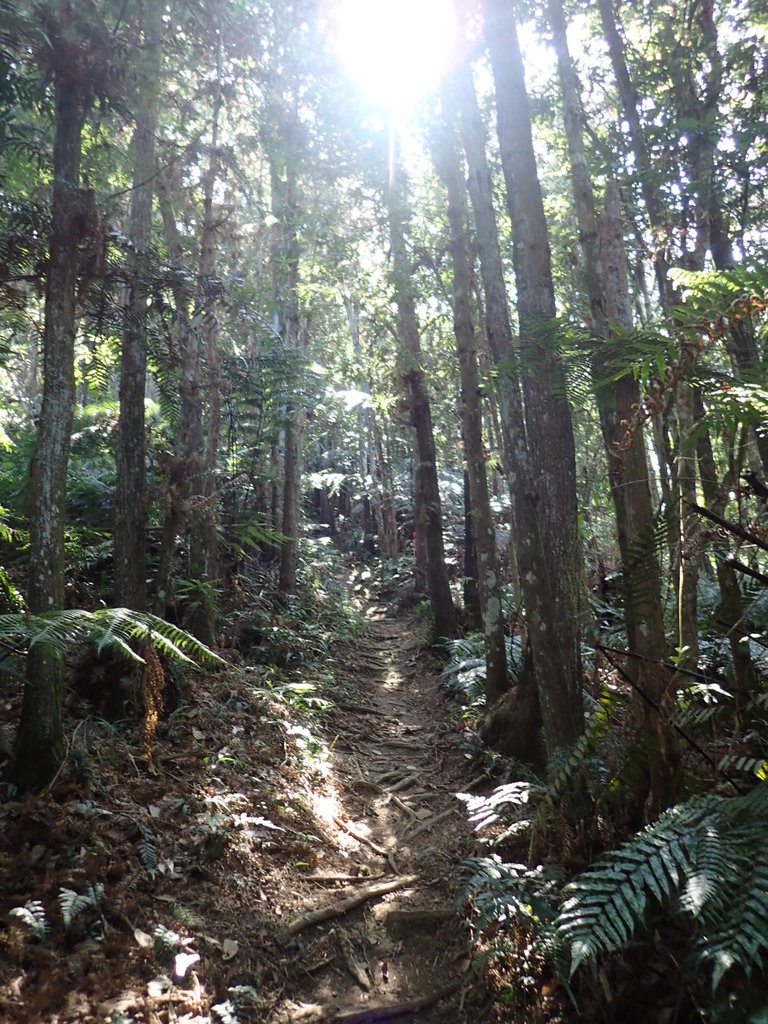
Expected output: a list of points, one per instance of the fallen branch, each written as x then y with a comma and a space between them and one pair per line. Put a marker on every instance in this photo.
369, 892
359, 836
397, 915
404, 783
372, 1014
429, 823
338, 876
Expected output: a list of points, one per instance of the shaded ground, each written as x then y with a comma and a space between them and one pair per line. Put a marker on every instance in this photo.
185, 890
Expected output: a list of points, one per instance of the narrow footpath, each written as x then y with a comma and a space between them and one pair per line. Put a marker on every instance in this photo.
378, 937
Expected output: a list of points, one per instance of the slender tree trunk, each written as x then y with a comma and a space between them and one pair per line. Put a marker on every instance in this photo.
40, 739
429, 525
606, 278
514, 727
186, 476
204, 540
547, 416
284, 180
483, 531
473, 614
130, 497
730, 612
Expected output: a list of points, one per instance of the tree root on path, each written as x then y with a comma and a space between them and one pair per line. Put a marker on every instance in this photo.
372, 1014
369, 892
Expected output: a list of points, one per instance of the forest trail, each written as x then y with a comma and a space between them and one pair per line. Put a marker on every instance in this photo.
391, 813
269, 864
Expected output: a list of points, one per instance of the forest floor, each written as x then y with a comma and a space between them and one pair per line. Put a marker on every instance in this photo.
255, 868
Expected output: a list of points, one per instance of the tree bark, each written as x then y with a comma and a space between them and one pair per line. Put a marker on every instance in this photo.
204, 539
547, 416
39, 745
130, 540
429, 525
606, 280
483, 531
186, 478
284, 175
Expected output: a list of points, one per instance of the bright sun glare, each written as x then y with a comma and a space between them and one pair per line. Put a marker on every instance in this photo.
396, 50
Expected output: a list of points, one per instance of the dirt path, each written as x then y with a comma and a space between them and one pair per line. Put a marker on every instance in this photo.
399, 835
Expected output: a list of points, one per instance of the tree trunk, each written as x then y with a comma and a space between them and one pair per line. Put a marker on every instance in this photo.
730, 613
186, 478
130, 498
547, 416
204, 539
513, 730
429, 524
285, 280
606, 279
40, 739
483, 531
472, 611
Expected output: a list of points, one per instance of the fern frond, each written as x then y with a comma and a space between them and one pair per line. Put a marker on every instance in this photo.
60, 632
33, 916
501, 892
73, 903
147, 847
709, 852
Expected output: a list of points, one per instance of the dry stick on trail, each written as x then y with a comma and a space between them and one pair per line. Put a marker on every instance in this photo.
370, 892
372, 1014
360, 837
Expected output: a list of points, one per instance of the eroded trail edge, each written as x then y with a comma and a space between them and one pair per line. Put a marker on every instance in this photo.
376, 935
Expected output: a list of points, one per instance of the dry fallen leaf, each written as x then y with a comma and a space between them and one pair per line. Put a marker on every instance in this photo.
144, 940
229, 949
183, 961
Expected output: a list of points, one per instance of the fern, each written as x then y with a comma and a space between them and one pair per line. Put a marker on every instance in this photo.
166, 941
33, 916
73, 903
704, 856
147, 847
59, 632
500, 892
